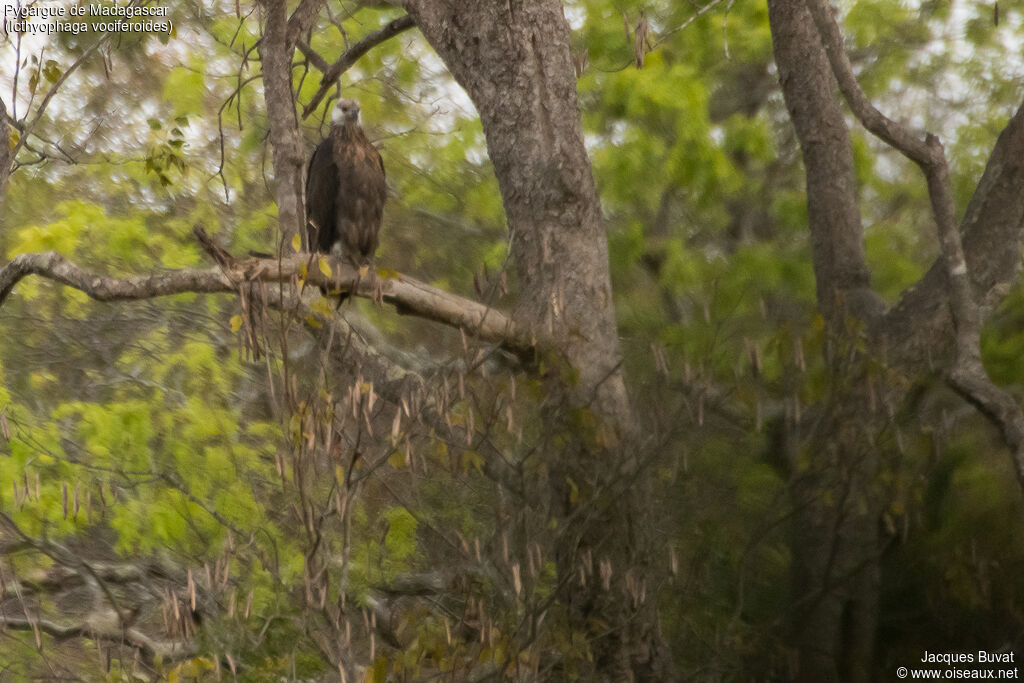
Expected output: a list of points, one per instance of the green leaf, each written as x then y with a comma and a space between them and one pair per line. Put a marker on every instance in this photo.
52, 71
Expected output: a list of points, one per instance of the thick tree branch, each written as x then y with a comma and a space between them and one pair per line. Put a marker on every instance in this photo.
967, 375
350, 57
60, 577
926, 151
408, 295
912, 144
102, 627
107, 620
917, 331
314, 57
302, 18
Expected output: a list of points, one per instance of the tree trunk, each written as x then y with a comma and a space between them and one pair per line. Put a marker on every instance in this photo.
513, 60
835, 546
6, 162
285, 136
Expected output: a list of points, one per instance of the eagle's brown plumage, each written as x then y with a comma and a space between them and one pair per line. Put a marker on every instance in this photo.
345, 190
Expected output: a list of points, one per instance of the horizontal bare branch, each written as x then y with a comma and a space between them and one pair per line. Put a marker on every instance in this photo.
107, 628
408, 295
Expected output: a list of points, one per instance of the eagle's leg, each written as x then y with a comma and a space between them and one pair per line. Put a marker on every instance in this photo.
378, 289
337, 252
366, 272
360, 274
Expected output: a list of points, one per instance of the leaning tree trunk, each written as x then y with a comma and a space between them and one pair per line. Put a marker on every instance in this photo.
835, 544
513, 60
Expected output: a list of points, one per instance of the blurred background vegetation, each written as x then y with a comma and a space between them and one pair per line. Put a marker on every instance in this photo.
141, 432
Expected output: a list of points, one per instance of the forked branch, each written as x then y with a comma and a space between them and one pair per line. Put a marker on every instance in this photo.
968, 375
350, 56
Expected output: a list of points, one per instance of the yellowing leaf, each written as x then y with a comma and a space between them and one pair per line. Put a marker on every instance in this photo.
472, 459
397, 460
325, 267
377, 673
339, 475
236, 323
296, 242
322, 306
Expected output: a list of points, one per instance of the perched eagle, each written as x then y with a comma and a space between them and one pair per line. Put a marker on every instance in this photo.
345, 190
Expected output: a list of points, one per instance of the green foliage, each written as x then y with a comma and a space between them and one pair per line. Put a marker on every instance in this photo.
710, 257
140, 428
86, 230
184, 88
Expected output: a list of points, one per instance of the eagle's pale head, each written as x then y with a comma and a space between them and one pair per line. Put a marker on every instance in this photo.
345, 112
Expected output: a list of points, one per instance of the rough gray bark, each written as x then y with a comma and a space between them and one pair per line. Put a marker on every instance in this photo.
967, 374
835, 542
285, 136
302, 19
935, 326
513, 60
840, 271
918, 333
6, 156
